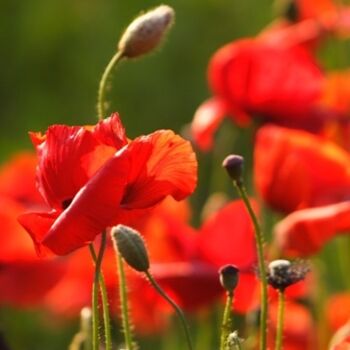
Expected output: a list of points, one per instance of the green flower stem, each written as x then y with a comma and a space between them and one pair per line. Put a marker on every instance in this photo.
226, 322
124, 303
103, 85
177, 309
280, 317
262, 270
104, 296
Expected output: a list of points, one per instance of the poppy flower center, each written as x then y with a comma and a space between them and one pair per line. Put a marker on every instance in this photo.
66, 203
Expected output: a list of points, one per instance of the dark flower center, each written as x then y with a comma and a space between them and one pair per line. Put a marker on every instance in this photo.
66, 203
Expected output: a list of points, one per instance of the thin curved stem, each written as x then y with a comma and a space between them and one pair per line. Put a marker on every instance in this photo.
95, 312
226, 321
101, 95
280, 318
259, 238
104, 296
124, 303
177, 309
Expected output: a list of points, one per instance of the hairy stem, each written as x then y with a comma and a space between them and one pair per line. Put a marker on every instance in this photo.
226, 321
280, 317
259, 238
124, 303
177, 309
101, 95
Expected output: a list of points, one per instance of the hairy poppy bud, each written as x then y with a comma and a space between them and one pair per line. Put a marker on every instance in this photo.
131, 247
229, 277
282, 273
234, 166
146, 32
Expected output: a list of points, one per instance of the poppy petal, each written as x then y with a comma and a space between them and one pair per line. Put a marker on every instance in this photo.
111, 132
306, 231
206, 121
94, 208
37, 225
162, 164
227, 237
295, 169
55, 160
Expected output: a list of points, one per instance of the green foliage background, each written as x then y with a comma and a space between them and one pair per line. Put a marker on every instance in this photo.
54, 51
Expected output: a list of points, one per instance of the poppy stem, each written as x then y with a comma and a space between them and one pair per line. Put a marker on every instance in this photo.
101, 95
95, 287
124, 304
280, 318
226, 321
262, 269
177, 309
104, 296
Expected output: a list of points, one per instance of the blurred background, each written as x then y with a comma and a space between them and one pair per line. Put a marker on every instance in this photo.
52, 56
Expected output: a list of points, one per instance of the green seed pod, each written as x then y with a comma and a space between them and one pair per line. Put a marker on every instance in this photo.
131, 247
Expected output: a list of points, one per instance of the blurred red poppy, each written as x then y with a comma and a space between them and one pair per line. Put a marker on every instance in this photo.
305, 232
186, 262
295, 169
24, 278
93, 177
338, 310
331, 15
261, 78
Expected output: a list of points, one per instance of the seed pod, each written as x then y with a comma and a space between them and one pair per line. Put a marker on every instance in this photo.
234, 167
229, 277
131, 246
146, 32
282, 273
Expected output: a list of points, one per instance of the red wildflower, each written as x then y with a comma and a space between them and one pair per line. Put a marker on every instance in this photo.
294, 169
338, 310
260, 78
92, 178
24, 279
305, 232
330, 15
17, 178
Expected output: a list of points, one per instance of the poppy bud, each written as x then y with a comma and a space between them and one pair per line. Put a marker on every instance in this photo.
229, 277
131, 247
146, 32
282, 273
234, 166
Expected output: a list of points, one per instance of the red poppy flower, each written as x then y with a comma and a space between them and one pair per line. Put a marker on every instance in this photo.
338, 310
332, 16
17, 179
336, 91
295, 169
260, 78
306, 231
92, 178
24, 278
